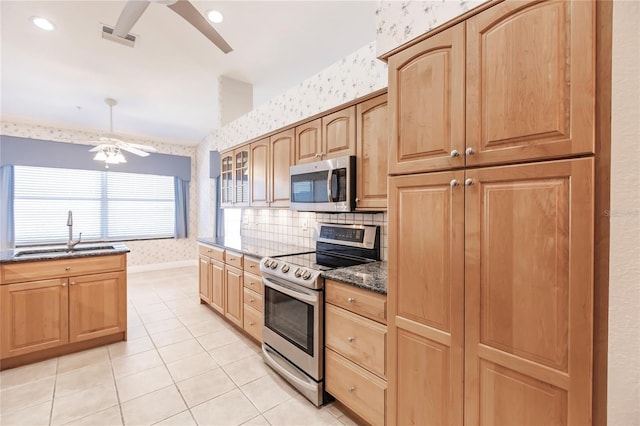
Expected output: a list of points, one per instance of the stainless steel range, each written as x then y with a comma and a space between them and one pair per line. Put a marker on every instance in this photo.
293, 333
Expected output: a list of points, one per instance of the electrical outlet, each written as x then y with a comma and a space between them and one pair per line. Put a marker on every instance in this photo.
305, 225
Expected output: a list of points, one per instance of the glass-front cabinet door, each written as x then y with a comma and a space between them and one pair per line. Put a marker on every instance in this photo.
226, 179
241, 176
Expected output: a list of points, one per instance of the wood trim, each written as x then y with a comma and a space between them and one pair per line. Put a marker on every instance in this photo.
385, 56
423, 331
604, 13
59, 351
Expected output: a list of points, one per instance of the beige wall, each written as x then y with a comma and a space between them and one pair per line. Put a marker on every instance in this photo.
624, 286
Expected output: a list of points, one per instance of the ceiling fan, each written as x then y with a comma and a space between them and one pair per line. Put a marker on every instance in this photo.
134, 9
111, 146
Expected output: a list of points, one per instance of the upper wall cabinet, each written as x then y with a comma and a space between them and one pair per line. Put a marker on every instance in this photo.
234, 172
426, 104
331, 136
269, 176
531, 81
371, 163
226, 178
528, 92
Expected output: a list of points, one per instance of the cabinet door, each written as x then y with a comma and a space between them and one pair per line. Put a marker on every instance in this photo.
308, 142
427, 104
530, 81
339, 133
426, 299
241, 176
204, 280
226, 179
97, 305
216, 278
34, 316
373, 148
528, 300
233, 295
259, 173
282, 158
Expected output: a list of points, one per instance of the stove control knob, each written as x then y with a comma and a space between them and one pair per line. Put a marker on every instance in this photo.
298, 273
306, 275
266, 262
285, 268
273, 265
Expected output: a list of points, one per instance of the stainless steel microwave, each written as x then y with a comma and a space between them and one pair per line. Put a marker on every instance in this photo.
324, 186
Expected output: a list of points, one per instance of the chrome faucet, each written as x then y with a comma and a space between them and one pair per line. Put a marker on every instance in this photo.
71, 244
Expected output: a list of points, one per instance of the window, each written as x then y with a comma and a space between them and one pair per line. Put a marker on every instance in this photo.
105, 205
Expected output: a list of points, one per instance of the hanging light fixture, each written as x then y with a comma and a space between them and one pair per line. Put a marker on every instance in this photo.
110, 154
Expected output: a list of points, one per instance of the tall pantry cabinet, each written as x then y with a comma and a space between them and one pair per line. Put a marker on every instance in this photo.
491, 217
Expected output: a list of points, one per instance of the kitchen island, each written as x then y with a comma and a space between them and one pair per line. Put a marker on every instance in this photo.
54, 301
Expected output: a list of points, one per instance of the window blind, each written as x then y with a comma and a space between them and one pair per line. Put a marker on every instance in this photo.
105, 205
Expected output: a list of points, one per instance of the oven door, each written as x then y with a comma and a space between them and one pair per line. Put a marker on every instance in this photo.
293, 324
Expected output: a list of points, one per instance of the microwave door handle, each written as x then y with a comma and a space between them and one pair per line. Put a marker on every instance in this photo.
329, 195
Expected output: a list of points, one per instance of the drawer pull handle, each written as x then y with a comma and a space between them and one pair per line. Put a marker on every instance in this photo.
251, 283
251, 266
251, 324
231, 259
351, 299
68, 268
351, 389
351, 339
64, 284
251, 300
73, 283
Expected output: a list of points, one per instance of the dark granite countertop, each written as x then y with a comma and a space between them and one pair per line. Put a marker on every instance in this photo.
253, 246
369, 276
34, 254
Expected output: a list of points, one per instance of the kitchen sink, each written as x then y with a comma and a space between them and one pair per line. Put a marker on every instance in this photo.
61, 251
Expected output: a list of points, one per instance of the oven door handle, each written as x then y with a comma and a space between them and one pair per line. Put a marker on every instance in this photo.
288, 291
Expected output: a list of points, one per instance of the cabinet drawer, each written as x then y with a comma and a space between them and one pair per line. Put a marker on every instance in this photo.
362, 302
212, 252
253, 299
253, 282
361, 391
234, 259
253, 322
31, 271
252, 265
359, 339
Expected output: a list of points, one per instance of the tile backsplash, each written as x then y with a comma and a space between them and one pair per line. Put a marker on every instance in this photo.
293, 227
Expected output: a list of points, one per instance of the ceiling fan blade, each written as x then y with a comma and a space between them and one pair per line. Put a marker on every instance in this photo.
129, 16
142, 147
98, 148
133, 150
191, 15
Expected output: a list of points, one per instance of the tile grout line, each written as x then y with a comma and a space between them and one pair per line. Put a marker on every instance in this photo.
53, 396
115, 385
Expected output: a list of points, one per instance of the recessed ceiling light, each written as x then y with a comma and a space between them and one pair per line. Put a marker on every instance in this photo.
42, 23
215, 16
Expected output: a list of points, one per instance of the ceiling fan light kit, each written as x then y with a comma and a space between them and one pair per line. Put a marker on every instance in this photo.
111, 146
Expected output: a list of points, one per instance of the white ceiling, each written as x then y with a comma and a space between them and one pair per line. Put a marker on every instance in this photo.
167, 85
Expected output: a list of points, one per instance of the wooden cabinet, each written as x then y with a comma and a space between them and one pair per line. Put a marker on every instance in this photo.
331, 136
34, 316
253, 298
216, 277
234, 172
97, 305
372, 135
355, 355
233, 308
211, 276
269, 177
49, 304
427, 104
281, 151
519, 86
496, 293
204, 280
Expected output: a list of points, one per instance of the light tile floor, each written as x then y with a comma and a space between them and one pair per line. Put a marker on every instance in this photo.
182, 365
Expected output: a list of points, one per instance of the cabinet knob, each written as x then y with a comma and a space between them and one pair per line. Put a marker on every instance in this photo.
351, 300
73, 283
351, 389
68, 268
64, 284
468, 182
251, 283
454, 183
251, 300
357, 199
251, 324
469, 151
351, 339
454, 153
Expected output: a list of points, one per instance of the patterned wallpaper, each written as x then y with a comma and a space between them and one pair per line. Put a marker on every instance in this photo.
142, 252
401, 21
352, 77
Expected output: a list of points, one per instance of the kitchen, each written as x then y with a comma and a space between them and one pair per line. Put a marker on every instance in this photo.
290, 224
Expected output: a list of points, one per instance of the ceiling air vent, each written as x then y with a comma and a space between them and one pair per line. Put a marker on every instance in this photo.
128, 40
